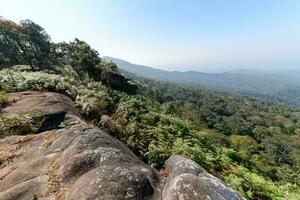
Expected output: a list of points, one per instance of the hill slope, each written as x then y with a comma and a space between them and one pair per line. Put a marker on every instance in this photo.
249, 143
79, 161
282, 86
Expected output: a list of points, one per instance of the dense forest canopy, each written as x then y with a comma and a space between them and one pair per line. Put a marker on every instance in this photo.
252, 144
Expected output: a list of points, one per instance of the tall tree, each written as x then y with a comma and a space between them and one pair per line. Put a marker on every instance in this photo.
36, 43
10, 52
80, 56
24, 43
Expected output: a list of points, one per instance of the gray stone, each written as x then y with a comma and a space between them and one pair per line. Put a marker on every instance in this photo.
189, 181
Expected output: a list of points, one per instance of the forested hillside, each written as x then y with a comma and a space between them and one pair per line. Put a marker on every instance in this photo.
281, 86
251, 144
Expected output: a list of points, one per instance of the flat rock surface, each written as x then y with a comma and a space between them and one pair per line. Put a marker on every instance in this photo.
44, 102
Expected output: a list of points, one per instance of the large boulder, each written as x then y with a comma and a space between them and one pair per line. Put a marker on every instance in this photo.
48, 103
189, 181
47, 109
119, 81
80, 162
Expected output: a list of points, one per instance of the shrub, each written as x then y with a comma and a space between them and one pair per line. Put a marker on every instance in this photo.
252, 185
19, 124
93, 98
3, 100
35, 197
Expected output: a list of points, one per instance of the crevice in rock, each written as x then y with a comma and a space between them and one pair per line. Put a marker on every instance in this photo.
52, 121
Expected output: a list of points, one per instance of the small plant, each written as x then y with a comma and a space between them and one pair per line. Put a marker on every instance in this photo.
3, 100
35, 197
18, 124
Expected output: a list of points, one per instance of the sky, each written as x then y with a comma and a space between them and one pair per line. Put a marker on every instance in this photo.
184, 35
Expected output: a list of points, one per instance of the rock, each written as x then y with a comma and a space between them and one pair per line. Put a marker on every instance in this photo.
188, 180
120, 82
81, 162
54, 108
47, 103
76, 162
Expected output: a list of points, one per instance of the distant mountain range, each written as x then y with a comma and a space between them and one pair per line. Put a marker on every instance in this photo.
282, 86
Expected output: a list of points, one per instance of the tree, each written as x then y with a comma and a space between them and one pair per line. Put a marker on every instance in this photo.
279, 149
80, 56
35, 43
24, 43
10, 52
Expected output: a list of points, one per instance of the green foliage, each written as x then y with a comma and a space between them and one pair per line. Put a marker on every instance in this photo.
27, 43
35, 44
283, 149
78, 55
24, 43
35, 197
228, 114
10, 53
244, 145
252, 186
156, 136
19, 124
260, 163
93, 98
3, 100
36, 81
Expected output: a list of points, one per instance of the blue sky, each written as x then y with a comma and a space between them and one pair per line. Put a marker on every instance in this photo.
210, 35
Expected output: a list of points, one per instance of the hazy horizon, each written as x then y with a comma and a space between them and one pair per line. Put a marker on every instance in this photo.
208, 36
207, 70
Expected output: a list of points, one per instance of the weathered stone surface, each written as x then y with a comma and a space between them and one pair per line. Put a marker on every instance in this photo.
55, 108
81, 162
77, 162
48, 103
188, 180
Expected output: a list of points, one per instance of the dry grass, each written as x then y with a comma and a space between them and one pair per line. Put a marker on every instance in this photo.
10, 150
53, 184
49, 138
13, 148
54, 187
61, 195
5, 171
164, 172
